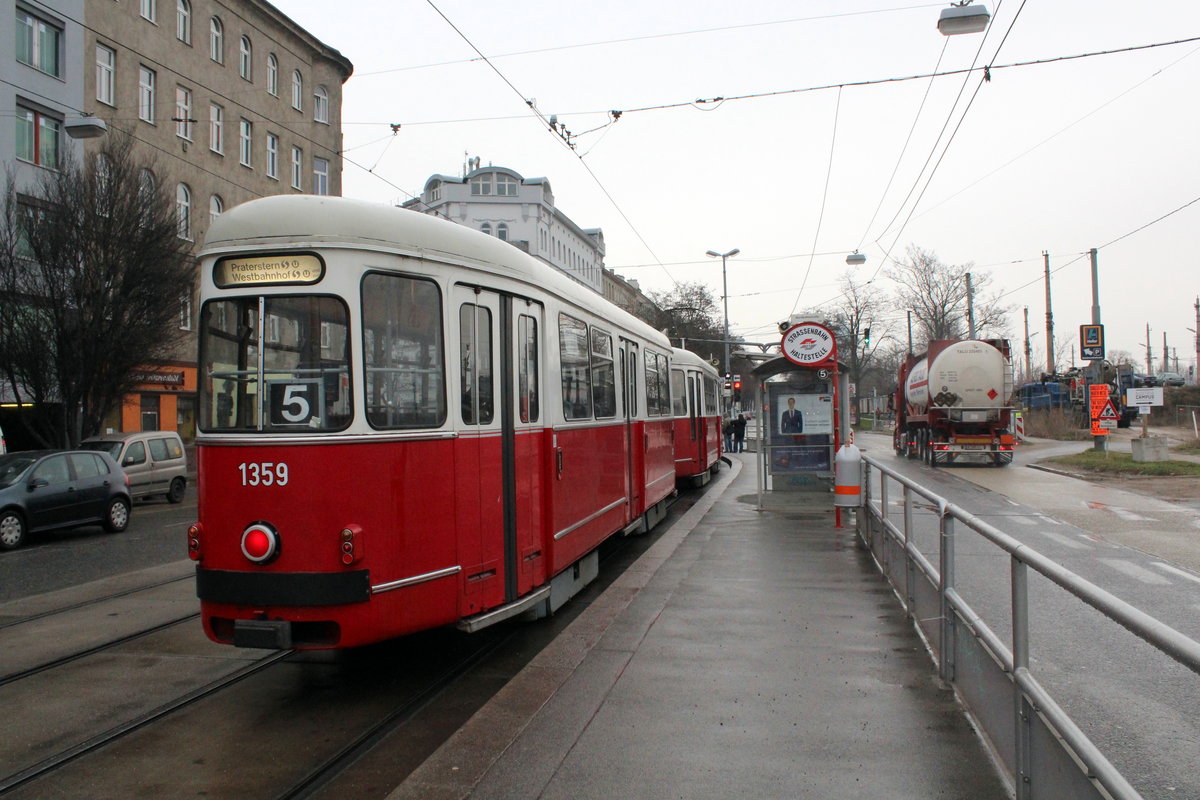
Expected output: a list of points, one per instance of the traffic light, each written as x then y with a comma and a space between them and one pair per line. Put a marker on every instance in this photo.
737, 389
866, 337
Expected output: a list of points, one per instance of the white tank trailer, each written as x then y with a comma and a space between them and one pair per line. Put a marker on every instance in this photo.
956, 402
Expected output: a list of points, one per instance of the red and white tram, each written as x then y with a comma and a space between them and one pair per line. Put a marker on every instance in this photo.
696, 404
352, 486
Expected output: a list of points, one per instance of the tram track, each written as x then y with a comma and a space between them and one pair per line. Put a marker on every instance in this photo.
113, 734
91, 601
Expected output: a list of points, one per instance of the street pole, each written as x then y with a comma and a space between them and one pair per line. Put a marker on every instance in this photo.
725, 298
970, 308
1197, 328
1028, 368
1098, 442
1149, 353
1049, 319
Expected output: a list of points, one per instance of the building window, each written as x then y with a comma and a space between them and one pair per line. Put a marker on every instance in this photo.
39, 138
297, 90
297, 164
502, 231
216, 128
506, 185
320, 176
183, 21
183, 210
216, 40
481, 185
246, 59
146, 80
106, 74
216, 207
273, 74
183, 113
185, 311
321, 105
272, 156
245, 142
148, 10
486, 228
39, 44
435, 191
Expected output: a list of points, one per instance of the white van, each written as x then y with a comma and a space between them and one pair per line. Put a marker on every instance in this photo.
154, 461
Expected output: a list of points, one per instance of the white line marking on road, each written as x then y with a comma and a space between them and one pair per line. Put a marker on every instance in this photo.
1066, 541
1049, 520
1123, 513
1023, 520
1183, 573
1134, 571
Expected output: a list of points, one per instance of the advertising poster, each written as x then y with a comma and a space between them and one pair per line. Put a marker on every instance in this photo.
801, 430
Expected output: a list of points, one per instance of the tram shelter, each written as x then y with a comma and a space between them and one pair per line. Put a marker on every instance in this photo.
802, 400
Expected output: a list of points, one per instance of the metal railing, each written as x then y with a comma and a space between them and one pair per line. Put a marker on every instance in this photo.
1044, 750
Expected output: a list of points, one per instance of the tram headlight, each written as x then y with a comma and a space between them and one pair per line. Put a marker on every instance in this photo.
260, 543
193, 541
351, 541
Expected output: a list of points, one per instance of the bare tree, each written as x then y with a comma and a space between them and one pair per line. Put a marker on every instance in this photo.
690, 314
937, 295
92, 274
859, 322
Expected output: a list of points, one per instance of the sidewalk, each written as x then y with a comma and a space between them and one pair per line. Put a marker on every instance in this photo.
747, 654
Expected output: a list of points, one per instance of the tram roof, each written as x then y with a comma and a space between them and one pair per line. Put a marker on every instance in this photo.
689, 359
325, 221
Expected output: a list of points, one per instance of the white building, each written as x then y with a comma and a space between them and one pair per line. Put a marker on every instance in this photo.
521, 211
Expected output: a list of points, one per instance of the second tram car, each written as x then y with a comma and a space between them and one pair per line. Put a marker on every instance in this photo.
696, 404
405, 424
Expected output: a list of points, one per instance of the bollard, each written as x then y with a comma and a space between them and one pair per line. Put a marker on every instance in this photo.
847, 477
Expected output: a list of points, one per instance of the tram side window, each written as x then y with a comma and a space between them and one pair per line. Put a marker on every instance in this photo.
475, 357
527, 369
678, 398
573, 358
402, 352
604, 380
658, 385
710, 396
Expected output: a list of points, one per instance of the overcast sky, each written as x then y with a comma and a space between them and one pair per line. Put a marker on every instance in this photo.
1058, 157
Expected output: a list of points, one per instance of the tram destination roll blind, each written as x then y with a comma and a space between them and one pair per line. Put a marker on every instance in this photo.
284, 269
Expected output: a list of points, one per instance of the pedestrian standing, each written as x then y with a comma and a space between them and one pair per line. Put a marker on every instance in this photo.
727, 430
739, 433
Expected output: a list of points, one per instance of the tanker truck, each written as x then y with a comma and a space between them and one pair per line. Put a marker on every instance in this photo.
954, 400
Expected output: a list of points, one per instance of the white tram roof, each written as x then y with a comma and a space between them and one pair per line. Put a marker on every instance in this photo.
686, 358
315, 221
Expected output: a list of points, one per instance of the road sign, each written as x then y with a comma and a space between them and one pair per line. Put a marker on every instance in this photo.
1091, 342
1109, 411
1098, 395
1145, 396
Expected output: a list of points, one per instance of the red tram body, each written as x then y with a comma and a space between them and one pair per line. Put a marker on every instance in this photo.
696, 404
352, 487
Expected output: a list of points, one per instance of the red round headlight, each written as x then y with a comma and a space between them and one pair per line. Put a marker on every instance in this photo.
260, 543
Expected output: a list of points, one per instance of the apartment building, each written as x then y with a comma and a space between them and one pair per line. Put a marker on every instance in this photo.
231, 100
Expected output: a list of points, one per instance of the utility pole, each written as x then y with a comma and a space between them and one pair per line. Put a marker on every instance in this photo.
1149, 353
970, 308
1098, 442
910, 328
1028, 368
1196, 367
1049, 319
1166, 355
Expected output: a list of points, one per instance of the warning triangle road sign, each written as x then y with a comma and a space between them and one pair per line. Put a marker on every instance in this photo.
1109, 412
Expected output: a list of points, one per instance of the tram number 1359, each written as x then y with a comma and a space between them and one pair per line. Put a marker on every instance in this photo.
264, 474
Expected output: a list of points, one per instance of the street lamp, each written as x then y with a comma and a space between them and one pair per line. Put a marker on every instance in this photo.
85, 127
725, 297
963, 18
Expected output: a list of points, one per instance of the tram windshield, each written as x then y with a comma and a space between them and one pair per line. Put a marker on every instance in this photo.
279, 364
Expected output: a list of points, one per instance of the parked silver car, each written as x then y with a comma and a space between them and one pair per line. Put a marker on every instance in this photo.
154, 461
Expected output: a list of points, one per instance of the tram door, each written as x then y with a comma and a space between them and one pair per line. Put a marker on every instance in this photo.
634, 463
498, 507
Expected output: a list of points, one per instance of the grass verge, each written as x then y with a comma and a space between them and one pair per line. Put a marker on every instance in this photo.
1111, 463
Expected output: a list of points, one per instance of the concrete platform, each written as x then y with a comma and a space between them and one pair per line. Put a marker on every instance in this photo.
747, 654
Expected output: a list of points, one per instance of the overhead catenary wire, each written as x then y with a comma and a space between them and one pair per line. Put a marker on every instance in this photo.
824, 197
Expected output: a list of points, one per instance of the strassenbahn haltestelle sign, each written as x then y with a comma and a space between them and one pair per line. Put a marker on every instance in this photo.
809, 344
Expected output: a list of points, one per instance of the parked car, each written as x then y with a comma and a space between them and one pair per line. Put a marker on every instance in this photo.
1140, 380
1169, 379
45, 489
154, 461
